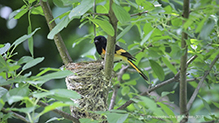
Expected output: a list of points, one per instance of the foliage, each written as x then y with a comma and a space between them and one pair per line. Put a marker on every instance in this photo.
19, 79
151, 30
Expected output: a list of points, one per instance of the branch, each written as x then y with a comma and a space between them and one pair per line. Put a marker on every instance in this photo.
173, 79
16, 115
61, 113
110, 48
192, 99
183, 68
139, 14
115, 90
57, 38
100, 14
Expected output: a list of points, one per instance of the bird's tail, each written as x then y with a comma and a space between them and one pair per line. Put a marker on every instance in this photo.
138, 70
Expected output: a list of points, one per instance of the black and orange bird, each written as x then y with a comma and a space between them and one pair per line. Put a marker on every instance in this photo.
120, 53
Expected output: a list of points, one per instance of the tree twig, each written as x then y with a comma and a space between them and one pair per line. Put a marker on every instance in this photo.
63, 114
16, 115
115, 90
173, 79
138, 14
192, 99
57, 38
94, 9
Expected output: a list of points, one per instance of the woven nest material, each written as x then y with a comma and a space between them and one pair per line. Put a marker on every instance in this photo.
90, 83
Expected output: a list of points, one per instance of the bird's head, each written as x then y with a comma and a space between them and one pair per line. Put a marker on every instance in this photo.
100, 40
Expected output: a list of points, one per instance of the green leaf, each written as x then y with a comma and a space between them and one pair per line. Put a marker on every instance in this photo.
176, 21
169, 65
13, 80
201, 24
116, 117
87, 120
151, 105
205, 104
206, 30
158, 70
2, 103
81, 9
105, 25
164, 93
59, 94
30, 40
20, 13
125, 76
43, 94
125, 90
12, 99
64, 3
24, 110
2, 91
62, 24
20, 91
54, 119
168, 9
54, 106
37, 11
5, 48
124, 31
101, 9
146, 37
216, 104
121, 14
168, 111
70, 2
24, 59
44, 70
66, 93
24, 38
17, 94
32, 63
54, 75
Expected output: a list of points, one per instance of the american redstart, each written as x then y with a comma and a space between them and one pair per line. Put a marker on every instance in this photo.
120, 53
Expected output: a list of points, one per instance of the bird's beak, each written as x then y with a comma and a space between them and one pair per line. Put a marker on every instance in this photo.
96, 41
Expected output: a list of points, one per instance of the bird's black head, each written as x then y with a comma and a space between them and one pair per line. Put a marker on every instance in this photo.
100, 43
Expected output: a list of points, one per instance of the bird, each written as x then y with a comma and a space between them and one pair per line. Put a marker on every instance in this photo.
120, 54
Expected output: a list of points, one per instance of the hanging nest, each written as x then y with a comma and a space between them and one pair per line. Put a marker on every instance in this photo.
90, 83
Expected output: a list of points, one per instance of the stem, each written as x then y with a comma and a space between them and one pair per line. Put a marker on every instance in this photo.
94, 9
16, 115
63, 114
110, 48
195, 93
183, 67
57, 38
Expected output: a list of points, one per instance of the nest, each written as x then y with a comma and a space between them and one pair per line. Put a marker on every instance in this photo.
90, 83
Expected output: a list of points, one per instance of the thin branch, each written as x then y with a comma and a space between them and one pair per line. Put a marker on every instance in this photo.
16, 115
94, 9
100, 14
138, 14
192, 99
115, 90
173, 79
61, 113
57, 38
